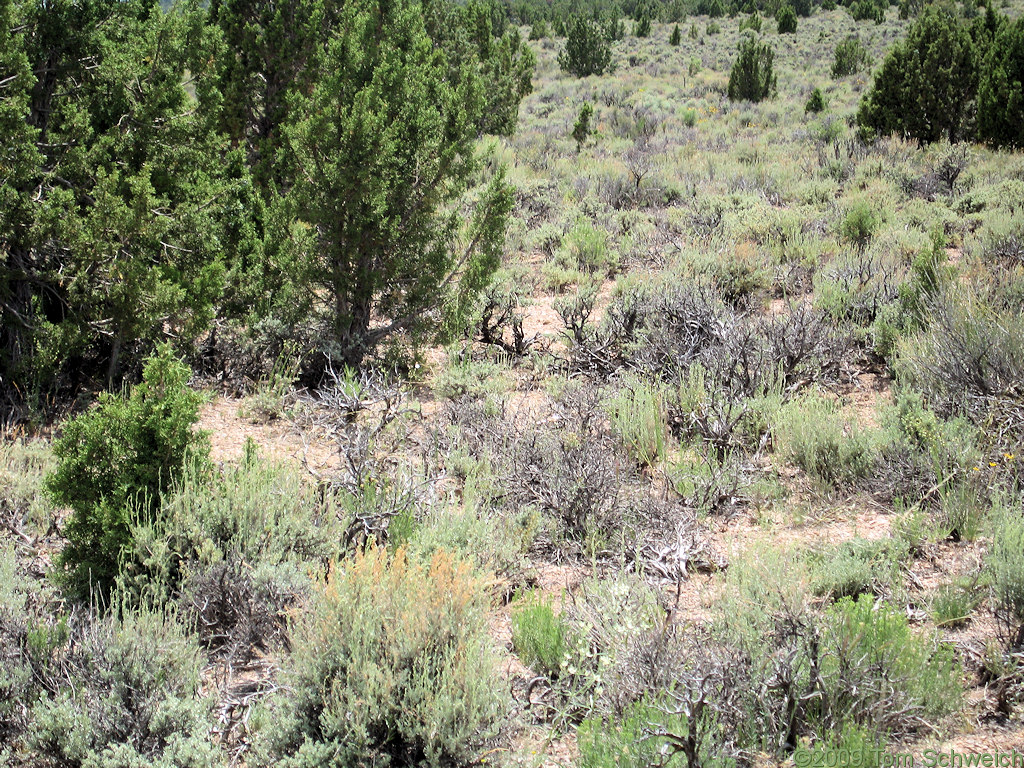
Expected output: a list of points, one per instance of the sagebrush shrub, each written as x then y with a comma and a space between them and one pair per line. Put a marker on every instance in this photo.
814, 436
133, 697
390, 664
118, 459
1006, 566
969, 360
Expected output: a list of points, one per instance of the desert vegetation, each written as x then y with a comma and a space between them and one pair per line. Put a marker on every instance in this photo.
448, 384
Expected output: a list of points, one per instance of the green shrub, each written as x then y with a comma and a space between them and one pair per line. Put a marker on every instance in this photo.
713, 28
586, 248
582, 130
466, 377
860, 224
24, 465
676, 37
878, 673
752, 77
850, 57
751, 23
952, 604
786, 19
538, 635
646, 735
856, 567
867, 10
390, 665
130, 697
638, 418
494, 543
18, 684
812, 434
539, 30
604, 621
816, 102
1005, 563
624, 744
122, 455
961, 512
642, 28
587, 49
256, 513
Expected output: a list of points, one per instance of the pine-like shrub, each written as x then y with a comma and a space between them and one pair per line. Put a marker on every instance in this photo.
752, 77
587, 49
116, 460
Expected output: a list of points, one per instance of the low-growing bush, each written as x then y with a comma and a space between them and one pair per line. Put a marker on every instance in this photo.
538, 634
465, 377
637, 414
860, 224
850, 57
878, 673
970, 361
857, 567
951, 604
120, 457
605, 620
813, 435
1005, 563
390, 665
256, 512
130, 697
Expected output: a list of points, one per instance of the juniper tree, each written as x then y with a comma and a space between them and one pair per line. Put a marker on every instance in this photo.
752, 77
581, 130
110, 239
385, 152
587, 50
926, 82
786, 19
1001, 89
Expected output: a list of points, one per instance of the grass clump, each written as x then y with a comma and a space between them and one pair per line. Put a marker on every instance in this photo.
538, 634
814, 436
637, 414
390, 665
952, 604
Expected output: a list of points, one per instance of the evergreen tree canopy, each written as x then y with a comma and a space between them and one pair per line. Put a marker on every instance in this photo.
587, 49
384, 150
110, 231
926, 82
1001, 89
752, 77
